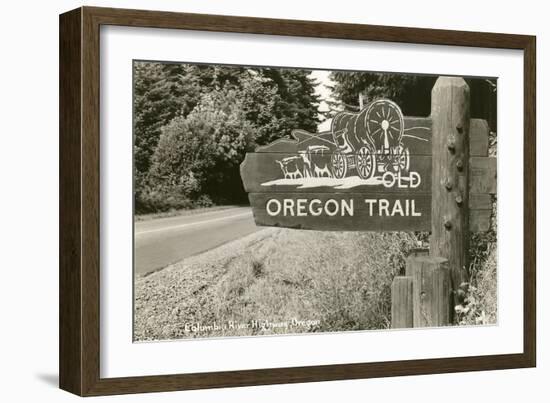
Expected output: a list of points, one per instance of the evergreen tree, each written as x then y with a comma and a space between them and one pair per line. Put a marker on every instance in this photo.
201, 151
161, 92
176, 154
295, 105
410, 92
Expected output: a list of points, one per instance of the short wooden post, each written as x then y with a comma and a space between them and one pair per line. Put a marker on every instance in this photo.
402, 302
431, 291
450, 174
414, 253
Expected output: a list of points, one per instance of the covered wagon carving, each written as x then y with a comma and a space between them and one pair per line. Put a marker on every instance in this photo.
369, 142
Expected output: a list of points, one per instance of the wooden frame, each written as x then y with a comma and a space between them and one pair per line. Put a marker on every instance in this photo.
79, 201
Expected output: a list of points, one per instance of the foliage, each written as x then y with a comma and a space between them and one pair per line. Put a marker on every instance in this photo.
478, 298
277, 101
197, 152
339, 280
193, 123
161, 92
355, 294
410, 92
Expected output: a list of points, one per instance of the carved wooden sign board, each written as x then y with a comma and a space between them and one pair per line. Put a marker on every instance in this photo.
372, 171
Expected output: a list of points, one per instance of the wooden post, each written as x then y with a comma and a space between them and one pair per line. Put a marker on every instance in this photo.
402, 302
416, 252
450, 175
431, 279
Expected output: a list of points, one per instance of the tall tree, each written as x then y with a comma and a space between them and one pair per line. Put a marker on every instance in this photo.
410, 92
161, 92
170, 100
296, 104
200, 153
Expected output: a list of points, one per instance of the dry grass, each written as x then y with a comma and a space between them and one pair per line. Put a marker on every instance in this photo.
335, 280
480, 304
486, 283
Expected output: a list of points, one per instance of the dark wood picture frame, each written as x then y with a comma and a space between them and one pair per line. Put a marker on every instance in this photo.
79, 347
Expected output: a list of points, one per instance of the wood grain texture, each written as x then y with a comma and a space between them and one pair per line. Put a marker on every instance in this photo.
313, 29
402, 302
530, 202
70, 274
260, 172
480, 212
483, 175
480, 220
480, 201
431, 291
90, 200
421, 251
362, 220
79, 307
450, 175
479, 138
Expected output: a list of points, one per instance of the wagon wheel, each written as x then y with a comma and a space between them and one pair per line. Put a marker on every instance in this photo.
402, 159
385, 124
339, 165
365, 162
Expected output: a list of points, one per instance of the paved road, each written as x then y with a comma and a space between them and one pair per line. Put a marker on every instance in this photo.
163, 241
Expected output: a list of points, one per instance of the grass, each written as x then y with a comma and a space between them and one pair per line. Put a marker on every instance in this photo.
480, 297
480, 294
486, 283
286, 281
275, 281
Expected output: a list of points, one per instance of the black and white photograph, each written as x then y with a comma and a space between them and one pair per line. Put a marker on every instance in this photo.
242, 202
281, 200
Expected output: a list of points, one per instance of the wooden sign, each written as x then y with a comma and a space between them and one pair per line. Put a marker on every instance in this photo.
371, 172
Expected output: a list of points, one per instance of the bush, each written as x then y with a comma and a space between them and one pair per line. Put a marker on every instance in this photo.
354, 292
196, 155
341, 279
479, 297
